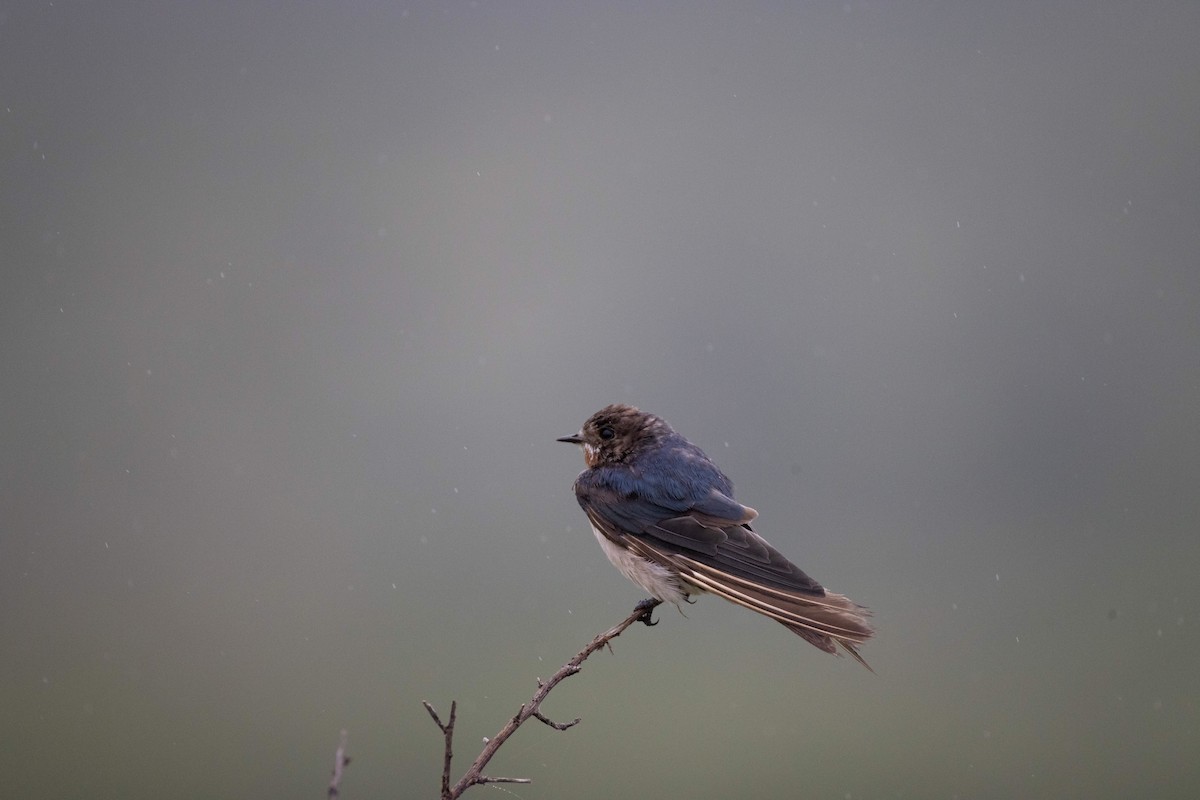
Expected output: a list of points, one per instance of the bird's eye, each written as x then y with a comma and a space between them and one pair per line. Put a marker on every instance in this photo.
607, 433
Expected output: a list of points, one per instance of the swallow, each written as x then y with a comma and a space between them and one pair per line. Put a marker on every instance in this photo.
665, 516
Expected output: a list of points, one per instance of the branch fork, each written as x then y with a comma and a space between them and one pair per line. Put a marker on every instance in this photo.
474, 775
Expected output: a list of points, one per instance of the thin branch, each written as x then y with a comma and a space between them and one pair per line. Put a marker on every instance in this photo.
558, 726
448, 733
474, 774
340, 760
489, 779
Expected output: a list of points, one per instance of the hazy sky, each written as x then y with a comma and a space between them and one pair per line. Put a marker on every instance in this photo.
297, 298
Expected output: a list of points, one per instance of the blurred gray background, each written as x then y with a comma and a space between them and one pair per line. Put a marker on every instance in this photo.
297, 297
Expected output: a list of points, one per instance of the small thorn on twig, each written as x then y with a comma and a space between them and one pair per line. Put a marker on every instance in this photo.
433, 713
558, 726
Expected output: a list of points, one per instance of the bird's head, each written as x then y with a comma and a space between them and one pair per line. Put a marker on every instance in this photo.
615, 433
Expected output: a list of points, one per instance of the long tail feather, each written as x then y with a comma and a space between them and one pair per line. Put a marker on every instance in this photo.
823, 621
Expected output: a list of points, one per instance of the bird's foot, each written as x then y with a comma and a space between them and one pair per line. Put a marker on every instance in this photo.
647, 607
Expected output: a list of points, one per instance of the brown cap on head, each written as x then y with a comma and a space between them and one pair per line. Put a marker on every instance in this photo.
615, 432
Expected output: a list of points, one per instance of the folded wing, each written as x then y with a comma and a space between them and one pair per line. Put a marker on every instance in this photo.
712, 547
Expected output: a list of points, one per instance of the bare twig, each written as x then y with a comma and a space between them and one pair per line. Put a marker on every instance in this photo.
474, 774
448, 733
558, 726
340, 760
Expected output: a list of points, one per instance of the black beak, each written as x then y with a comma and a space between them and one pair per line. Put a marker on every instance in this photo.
574, 438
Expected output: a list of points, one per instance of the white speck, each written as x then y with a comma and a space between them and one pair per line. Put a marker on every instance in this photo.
1021, 277
727, 444
456, 490
997, 577
222, 274
957, 224
485, 740
954, 606
433, 511
1018, 640
106, 545
956, 315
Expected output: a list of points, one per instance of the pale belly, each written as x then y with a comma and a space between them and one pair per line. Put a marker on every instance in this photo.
656, 579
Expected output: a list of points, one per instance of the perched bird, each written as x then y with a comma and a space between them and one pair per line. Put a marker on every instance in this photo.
665, 516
